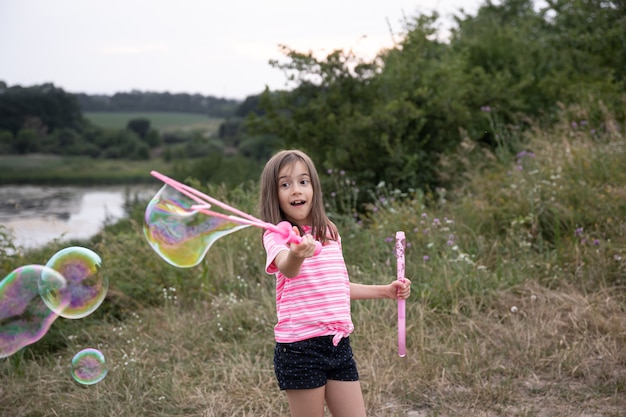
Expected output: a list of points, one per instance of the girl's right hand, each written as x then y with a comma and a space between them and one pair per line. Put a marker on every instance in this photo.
306, 248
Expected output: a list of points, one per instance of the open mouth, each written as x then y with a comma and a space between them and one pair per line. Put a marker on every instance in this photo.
298, 203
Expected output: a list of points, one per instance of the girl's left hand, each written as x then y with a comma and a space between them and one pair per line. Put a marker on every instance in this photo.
401, 290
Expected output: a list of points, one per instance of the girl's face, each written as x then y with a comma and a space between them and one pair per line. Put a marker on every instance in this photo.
295, 193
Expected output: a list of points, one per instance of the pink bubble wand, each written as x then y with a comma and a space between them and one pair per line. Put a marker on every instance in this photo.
283, 230
400, 248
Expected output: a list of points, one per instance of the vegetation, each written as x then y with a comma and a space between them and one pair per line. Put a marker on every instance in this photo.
77, 170
161, 121
392, 119
518, 304
158, 102
500, 153
46, 120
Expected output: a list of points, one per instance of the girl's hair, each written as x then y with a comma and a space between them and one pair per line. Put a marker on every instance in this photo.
269, 207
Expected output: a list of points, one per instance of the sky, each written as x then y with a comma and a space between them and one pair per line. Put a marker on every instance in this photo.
208, 47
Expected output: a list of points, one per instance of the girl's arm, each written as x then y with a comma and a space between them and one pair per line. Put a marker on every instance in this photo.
395, 290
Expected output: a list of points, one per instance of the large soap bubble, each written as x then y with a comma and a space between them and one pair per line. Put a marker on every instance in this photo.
24, 316
179, 233
86, 286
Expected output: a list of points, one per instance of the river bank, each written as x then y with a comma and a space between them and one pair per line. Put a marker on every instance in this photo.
37, 215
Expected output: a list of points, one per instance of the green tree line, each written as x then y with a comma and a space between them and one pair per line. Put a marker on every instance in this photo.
46, 119
155, 101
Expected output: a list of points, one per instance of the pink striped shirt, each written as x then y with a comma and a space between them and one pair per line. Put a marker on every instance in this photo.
316, 302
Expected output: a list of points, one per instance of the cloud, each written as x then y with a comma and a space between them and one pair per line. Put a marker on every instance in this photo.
135, 49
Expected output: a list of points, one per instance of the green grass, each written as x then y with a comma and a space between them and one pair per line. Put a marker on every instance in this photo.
548, 238
78, 170
162, 121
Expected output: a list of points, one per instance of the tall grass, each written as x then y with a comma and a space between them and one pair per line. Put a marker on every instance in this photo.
518, 304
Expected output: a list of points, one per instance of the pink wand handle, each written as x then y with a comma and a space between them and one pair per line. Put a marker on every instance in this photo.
400, 246
285, 231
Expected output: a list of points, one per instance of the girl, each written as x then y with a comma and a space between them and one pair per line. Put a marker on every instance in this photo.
313, 360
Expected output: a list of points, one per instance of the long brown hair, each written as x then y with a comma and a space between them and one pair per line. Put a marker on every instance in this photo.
269, 207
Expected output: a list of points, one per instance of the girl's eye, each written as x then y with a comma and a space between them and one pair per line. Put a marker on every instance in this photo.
284, 185
304, 182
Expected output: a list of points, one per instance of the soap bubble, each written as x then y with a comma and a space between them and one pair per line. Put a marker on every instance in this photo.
179, 233
86, 285
89, 366
24, 316
52, 288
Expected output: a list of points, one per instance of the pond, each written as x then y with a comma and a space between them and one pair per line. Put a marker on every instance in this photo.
37, 215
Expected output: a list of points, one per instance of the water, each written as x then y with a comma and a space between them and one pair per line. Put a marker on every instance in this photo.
37, 215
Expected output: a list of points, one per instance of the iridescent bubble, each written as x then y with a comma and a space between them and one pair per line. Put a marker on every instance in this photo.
24, 317
86, 285
179, 233
53, 290
89, 366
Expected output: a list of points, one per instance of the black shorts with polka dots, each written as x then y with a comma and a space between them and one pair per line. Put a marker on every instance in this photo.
310, 363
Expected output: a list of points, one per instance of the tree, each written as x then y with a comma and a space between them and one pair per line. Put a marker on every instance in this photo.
52, 106
367, 118
153, 138
141, 126
593, 32
26, 141
6, 142
331, 99
529, 61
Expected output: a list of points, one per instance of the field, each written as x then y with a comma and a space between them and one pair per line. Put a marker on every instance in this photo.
517, 309
162, 121
77, 170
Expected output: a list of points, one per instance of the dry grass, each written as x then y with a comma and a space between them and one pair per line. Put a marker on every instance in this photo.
561, 354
